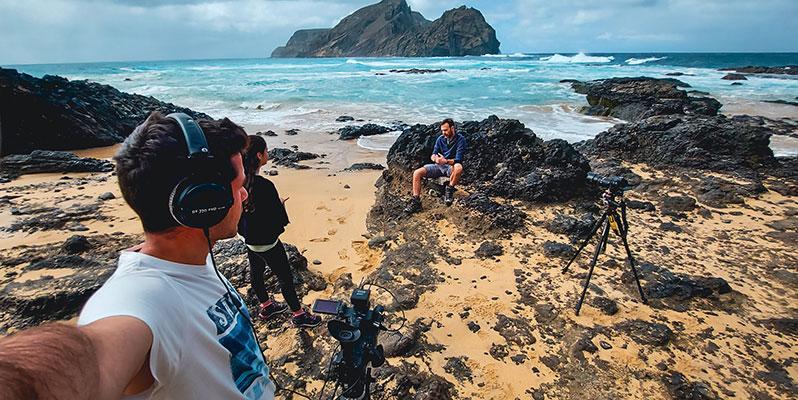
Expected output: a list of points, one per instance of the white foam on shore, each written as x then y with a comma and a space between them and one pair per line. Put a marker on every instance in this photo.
580, 58
638, 61
381, 142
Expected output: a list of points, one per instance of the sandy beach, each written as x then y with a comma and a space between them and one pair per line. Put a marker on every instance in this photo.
462, 312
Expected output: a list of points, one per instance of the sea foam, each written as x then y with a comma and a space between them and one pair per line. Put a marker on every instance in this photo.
580, 58
638, 61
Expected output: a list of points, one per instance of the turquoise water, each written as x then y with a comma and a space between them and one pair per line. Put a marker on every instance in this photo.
310, 93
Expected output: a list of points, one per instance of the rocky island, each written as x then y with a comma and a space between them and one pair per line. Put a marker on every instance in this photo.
391, 29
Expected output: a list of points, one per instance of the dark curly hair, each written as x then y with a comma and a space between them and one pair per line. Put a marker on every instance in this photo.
152, 161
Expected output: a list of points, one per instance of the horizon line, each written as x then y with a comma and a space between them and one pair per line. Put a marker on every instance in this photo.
350, 57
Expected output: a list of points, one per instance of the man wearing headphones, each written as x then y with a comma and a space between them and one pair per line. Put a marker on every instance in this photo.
166, 325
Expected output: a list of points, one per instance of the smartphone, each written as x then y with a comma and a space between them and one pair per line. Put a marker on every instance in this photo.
322, 306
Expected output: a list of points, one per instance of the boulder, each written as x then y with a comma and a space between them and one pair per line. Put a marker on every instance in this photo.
734, 77
708, 143
44, 161
53, 113
353, 132
634, 99
504, 158
290, 158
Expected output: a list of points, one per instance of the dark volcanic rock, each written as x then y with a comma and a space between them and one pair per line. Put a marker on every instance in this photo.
76, 244
785, 70
344, 118
515, 330
289, 158
647, 333
504, 158
575, 228
42, 161
488, 250
675, 204
634, 99
554, 249
53, 113
354, 132
682, 389
50, 218
701, 142
457, 367
606, 305
417, 71
49, 298
365, 166
497, 215
666, 289
390, 28
734, 77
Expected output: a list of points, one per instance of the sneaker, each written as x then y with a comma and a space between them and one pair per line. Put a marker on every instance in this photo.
306, 320
271, 309
448, 195
414, 206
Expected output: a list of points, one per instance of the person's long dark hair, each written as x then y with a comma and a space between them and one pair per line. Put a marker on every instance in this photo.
255, 145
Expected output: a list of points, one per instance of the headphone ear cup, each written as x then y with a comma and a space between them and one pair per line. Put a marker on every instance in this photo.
200, 204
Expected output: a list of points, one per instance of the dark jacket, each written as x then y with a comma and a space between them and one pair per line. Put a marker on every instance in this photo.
268, 219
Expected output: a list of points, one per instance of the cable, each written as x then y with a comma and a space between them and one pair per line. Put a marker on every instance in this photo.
404, 318
329, 367
249, 318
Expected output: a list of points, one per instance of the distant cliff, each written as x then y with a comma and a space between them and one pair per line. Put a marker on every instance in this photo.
391, 28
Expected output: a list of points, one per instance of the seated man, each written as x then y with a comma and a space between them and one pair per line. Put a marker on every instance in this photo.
447, 158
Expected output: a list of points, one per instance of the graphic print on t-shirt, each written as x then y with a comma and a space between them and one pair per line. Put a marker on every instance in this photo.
246, 362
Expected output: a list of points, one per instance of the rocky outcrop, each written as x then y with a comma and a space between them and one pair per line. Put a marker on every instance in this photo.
504, 158
709, 143
290, 158
391, 28
53, 113
40, 161
353, 132
785, 70
32, 295
634, 99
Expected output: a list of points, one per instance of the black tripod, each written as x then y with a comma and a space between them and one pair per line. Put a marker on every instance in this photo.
610, 219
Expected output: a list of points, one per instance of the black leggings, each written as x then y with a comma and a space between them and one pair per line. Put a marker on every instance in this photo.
277, 261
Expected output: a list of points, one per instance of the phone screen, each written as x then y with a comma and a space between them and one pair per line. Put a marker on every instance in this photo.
322, 306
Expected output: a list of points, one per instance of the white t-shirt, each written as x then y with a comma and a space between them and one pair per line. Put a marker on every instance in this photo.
202, 346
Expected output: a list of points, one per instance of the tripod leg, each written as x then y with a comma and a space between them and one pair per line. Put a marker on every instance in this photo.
601, 243
624, 232
585, 242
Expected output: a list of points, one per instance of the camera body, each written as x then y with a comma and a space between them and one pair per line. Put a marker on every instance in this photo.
615, 184
356, 329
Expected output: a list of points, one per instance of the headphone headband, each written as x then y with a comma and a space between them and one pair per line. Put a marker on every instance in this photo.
195, 138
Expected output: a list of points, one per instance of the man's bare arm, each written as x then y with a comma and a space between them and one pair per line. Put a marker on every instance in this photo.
60, 361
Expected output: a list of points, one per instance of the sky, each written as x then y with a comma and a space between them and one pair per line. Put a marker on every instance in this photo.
60, 31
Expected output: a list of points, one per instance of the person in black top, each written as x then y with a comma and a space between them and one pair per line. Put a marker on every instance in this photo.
263, 220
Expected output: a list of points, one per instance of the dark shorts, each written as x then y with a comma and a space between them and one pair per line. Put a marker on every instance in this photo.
436, 171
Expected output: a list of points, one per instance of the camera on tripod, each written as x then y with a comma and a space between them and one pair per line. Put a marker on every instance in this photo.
613, 183
356, 329
613, 219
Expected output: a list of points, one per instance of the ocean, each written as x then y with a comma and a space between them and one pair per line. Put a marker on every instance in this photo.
310, 94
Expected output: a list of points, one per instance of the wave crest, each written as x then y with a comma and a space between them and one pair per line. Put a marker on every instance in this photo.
579, 58
638, 61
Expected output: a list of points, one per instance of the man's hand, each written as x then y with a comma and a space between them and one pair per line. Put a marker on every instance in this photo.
441, 160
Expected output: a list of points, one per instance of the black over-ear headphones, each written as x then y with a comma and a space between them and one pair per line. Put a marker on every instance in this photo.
202, 199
